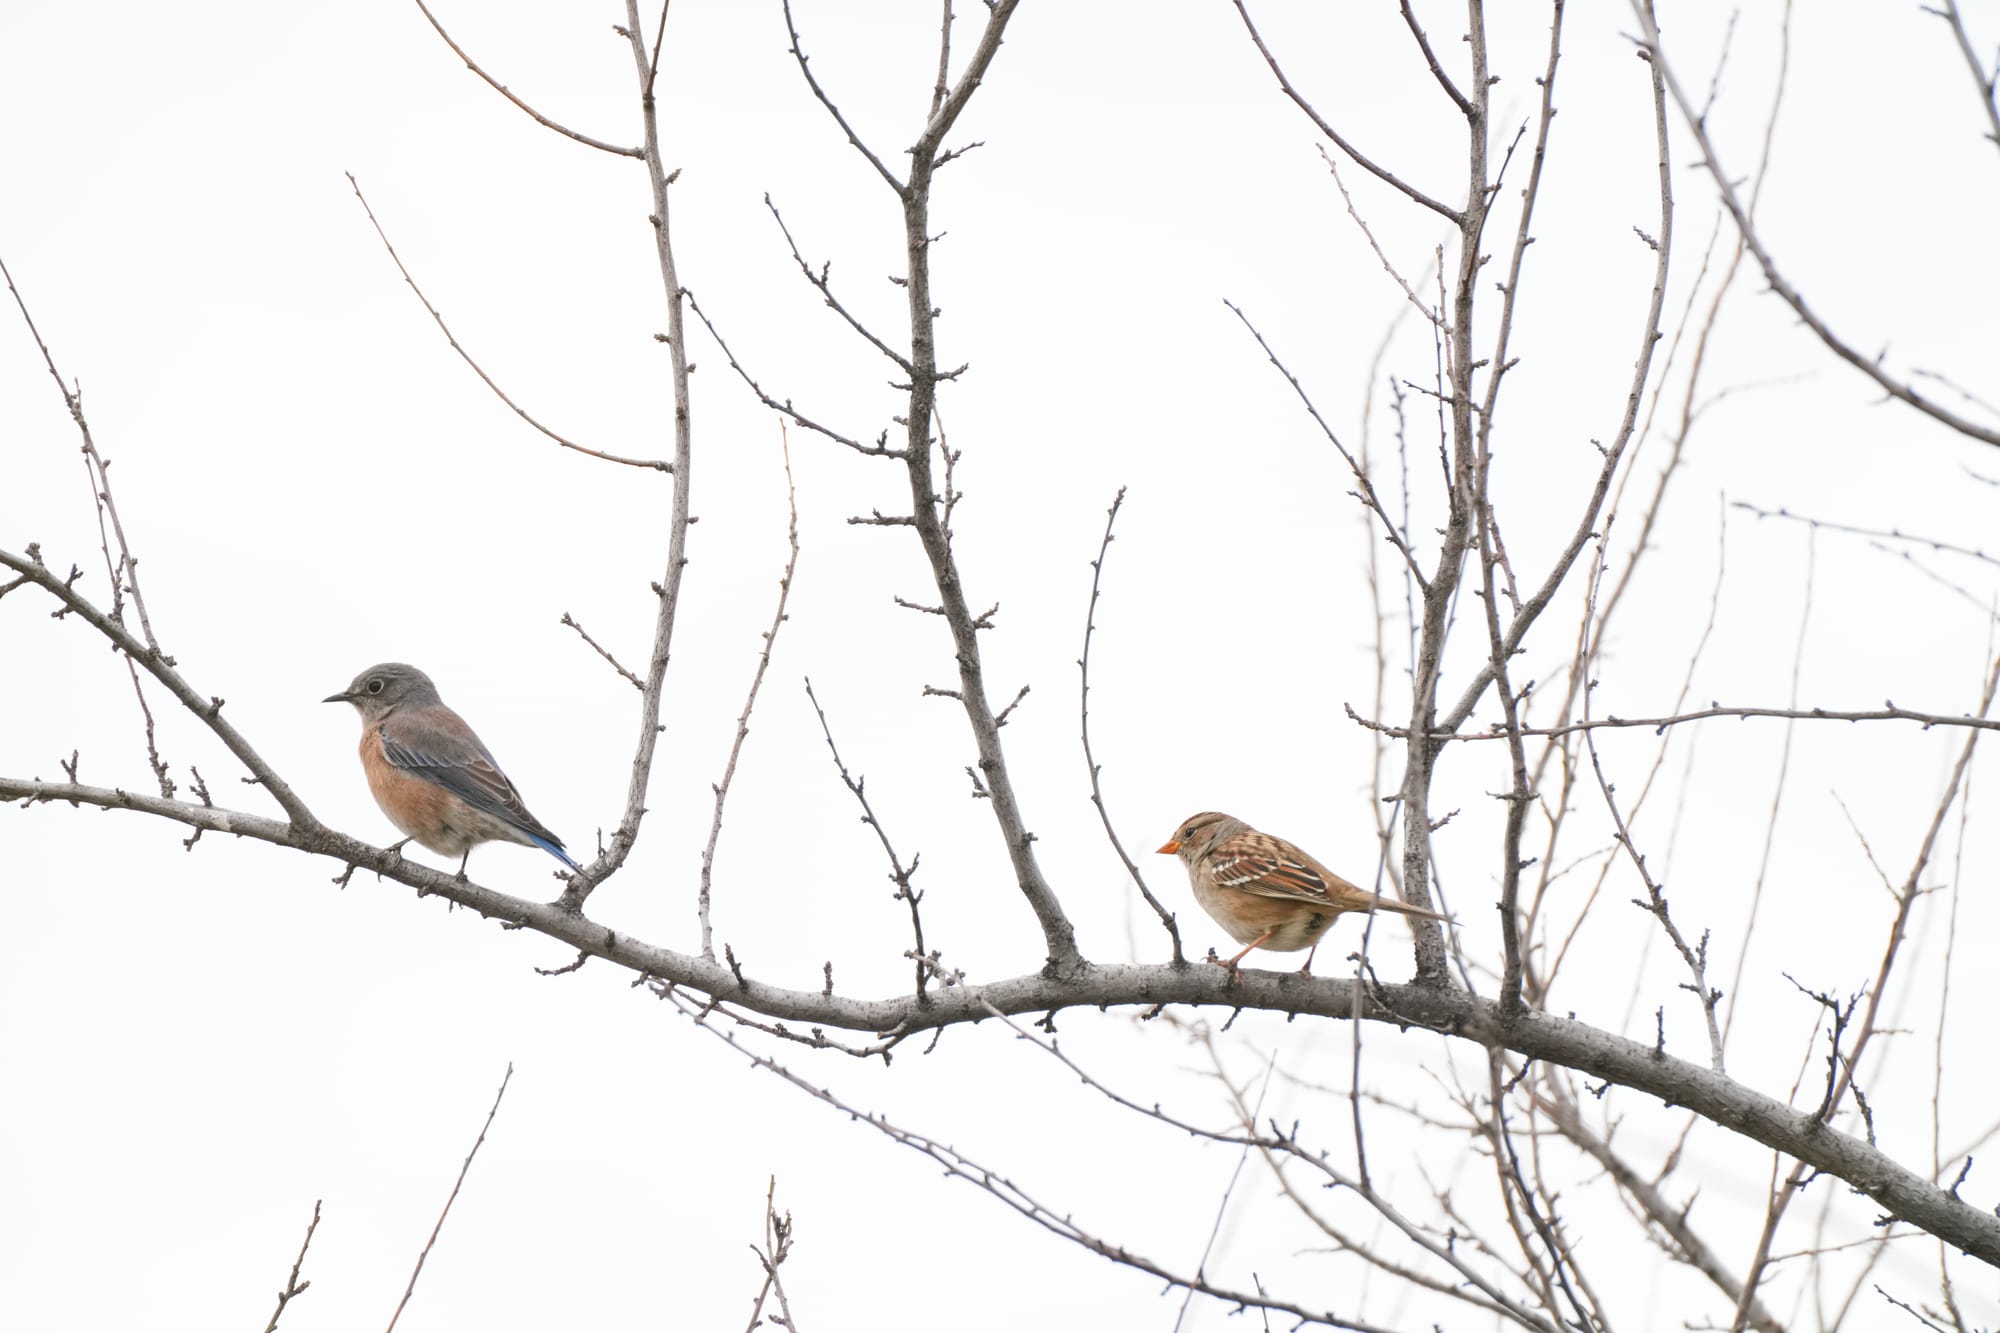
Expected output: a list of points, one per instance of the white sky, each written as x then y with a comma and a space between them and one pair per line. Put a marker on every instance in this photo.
196, 1047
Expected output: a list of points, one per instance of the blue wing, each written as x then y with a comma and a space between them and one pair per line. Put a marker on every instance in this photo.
435, 744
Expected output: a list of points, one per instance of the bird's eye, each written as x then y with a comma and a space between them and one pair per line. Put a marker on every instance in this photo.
375, 686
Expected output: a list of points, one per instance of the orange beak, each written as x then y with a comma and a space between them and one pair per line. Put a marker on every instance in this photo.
1173, 845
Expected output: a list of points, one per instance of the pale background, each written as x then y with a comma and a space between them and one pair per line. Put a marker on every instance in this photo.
196, 1047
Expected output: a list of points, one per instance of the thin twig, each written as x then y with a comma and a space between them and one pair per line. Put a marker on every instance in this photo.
1367, 164
899, 874
943, 85
1365, 491
1430, 58
1885, 534
1251, 1115
659, 45
604, 653
533, 114
1089, 759
1988, 84
805, 68
1059, 1222
655, 464
822, 282
1430, 314
878, 450
1725, 186
206, 709
1889, 712
777, 1248
453, 1198
756, 683
294, 1287
122, 569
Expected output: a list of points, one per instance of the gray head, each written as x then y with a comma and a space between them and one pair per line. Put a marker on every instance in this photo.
384, 687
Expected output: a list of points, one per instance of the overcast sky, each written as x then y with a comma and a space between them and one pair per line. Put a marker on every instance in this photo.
197, 1046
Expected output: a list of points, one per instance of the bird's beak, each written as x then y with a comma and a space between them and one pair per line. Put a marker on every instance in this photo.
1172, 845
341, 698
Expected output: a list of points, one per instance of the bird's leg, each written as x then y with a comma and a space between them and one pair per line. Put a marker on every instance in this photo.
1307, 970
1235, 971
461, 863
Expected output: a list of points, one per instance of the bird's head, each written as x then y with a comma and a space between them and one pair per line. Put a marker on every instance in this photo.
1197, 833
384, 687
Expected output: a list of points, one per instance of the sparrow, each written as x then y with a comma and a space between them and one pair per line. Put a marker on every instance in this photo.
1266, 892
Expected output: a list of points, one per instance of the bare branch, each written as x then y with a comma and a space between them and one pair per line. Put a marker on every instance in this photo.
294, 1287
805, 68
1661, 1212
533, 114
777, 1248
456, 1185
1450, 1011
943, 86
750, 700
1058, 1222
899, 874
626, 835
1989, 93
1090, 760
604, 653
465, 356
659, 45
1539, 600
1726, 191
1844, 1064
1430, 314
1278, 1147
877, 450
1366, 488
1367, 164
1430, 58
206, 709
1696, 959
822, 283
1886, 534
1889, 712
931, 522
122, 569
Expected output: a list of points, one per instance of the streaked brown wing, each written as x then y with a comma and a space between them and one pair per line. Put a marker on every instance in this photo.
1259, 863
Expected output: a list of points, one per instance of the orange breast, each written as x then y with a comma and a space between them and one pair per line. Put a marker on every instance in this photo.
422, 810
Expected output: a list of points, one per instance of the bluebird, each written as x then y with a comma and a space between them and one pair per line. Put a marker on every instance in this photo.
429, 772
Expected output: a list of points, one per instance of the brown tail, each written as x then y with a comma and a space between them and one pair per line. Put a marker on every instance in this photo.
1395, 905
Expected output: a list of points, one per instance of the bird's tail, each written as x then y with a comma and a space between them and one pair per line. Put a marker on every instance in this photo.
555, 849
1406, 909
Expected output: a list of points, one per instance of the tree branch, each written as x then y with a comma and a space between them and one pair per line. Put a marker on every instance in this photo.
533, 114
1726, 191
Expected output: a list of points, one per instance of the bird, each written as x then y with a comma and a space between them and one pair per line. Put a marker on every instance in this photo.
1266, 892
431, 774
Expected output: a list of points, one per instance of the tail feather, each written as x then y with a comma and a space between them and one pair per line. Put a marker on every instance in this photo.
555, 849
1407, 909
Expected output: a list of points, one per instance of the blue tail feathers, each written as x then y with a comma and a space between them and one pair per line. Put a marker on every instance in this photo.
555, 849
